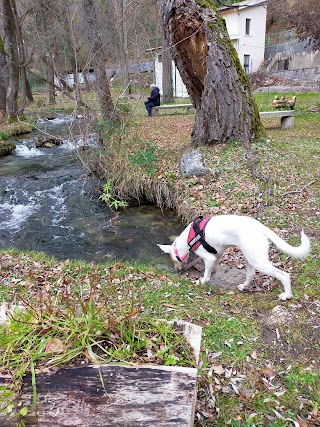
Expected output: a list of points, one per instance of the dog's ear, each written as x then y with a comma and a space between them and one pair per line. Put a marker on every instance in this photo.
165, 248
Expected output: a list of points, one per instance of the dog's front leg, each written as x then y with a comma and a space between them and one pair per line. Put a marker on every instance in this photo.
210, 263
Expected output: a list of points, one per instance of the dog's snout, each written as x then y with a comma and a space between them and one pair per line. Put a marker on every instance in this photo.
178, 266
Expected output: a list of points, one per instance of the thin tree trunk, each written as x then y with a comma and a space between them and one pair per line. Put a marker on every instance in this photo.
26, 92
3, 78
211, 71
98, 60
52, 92
11, 48
167, 81
74, 60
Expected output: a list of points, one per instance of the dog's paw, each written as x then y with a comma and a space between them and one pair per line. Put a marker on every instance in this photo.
285, 296
242, 287
198, 282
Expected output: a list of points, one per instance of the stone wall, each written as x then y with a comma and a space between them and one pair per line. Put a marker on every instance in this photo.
293, 59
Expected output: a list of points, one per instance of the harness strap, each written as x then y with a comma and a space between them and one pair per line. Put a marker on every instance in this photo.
196, 235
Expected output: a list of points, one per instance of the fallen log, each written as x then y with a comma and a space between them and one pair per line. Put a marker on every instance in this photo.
284, 102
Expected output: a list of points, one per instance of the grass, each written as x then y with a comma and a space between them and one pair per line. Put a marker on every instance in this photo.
260, 357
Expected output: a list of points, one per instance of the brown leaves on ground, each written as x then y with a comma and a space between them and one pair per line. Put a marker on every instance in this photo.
244, 387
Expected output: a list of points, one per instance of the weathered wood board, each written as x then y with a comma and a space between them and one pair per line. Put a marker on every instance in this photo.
112, 395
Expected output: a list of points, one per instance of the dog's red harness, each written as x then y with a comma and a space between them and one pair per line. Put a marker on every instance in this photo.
196, 238
196, 235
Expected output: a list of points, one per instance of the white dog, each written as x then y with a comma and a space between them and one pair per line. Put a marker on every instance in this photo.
209, 237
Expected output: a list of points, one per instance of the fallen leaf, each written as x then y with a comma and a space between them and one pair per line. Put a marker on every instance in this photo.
218, 369
213, 356
254, 355
169, 305
54, 345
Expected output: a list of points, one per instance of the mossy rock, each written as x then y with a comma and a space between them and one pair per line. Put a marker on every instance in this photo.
6, 148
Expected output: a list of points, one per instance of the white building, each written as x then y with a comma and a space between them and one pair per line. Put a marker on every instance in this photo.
246, 25
179, 89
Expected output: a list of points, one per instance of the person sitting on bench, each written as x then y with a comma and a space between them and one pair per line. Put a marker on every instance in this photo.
153, 99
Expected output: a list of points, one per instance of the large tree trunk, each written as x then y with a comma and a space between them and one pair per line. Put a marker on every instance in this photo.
211, 70
13, 66
98, 60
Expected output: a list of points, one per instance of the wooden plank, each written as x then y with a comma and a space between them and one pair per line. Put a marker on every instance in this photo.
114, 395
110, 395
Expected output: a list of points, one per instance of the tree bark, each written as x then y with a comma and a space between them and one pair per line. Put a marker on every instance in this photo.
98, 60
167, 82
52, 92
3, 77
44, 16
211, 71
11, 49
26, 93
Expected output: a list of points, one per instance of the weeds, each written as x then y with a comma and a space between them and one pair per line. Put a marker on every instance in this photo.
108, 197
145, 158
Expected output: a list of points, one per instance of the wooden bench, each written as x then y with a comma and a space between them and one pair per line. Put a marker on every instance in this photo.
286, 116
190, 108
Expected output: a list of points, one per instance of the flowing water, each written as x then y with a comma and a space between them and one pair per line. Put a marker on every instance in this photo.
48, 203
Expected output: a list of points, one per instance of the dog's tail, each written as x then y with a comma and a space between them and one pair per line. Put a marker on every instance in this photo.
294, 251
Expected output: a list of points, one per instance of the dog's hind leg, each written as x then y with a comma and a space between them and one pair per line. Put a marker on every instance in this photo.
255, 252
249, 276
283, 276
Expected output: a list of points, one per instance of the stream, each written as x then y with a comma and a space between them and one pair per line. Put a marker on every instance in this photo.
48, 203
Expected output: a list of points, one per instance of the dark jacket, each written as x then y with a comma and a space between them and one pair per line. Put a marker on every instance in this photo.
155, 96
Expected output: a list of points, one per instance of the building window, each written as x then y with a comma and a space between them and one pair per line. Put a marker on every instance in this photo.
246, 63
248, 24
